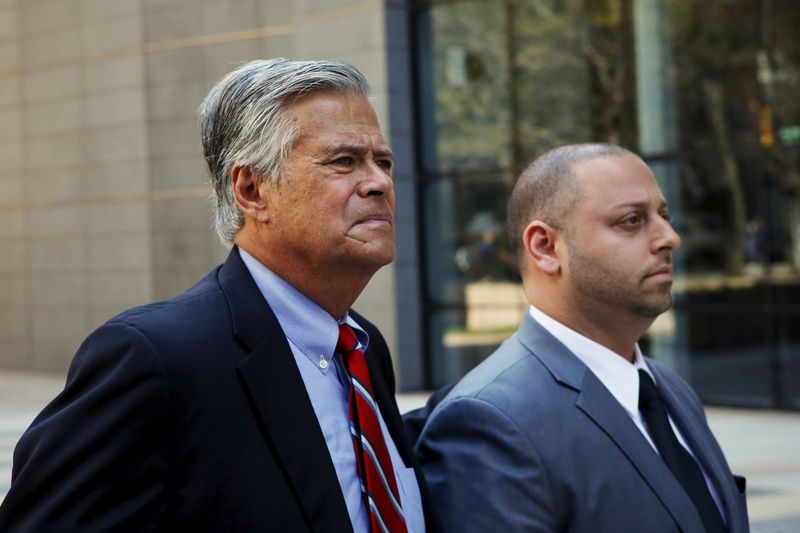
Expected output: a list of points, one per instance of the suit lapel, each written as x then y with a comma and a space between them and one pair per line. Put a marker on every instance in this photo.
605, 411
273, 383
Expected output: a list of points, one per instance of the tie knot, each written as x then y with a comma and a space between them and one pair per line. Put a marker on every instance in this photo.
347, 342
648, 392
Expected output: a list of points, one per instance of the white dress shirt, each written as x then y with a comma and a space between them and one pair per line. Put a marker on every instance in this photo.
619, 376
312, 334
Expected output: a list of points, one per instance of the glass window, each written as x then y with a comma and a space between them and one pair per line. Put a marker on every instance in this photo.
706, 92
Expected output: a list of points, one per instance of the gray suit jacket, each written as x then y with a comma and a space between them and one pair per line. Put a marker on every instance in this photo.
531, 440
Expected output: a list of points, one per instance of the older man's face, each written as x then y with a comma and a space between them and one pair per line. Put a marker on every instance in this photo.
334, 208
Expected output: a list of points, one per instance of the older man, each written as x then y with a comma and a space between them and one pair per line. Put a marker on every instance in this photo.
257, 400
567, 427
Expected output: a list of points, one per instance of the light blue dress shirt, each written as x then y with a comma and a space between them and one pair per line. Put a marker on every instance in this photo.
312, 334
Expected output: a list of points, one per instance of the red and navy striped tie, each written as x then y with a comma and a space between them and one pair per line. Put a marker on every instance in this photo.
378, 484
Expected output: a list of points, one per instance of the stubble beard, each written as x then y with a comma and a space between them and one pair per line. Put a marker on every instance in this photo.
612, 288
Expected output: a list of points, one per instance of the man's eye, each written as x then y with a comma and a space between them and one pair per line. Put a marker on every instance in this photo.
632, 220
343, 161
384, 163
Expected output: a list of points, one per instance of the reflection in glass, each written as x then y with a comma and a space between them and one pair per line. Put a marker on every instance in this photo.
705, 91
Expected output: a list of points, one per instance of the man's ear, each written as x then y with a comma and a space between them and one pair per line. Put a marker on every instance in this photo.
249, 193
539, 240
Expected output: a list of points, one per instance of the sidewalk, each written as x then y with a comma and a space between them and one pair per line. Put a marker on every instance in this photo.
764, 446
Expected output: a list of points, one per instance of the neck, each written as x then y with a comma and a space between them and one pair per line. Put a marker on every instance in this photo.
333, 289
617, 333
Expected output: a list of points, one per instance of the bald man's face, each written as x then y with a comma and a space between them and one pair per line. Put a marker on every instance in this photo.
619, 240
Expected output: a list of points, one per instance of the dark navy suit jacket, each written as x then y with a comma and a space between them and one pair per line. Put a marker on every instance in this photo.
189, 415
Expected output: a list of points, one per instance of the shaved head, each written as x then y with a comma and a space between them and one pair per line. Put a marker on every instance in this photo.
548, 189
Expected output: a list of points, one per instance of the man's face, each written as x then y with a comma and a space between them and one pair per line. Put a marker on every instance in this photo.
334, 207
620, 241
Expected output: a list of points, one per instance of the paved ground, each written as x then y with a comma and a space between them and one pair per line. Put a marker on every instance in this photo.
764, 446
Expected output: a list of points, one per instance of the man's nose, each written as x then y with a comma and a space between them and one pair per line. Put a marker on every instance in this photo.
666, 236
377, 180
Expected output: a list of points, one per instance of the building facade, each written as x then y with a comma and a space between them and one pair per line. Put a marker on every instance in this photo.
103, 187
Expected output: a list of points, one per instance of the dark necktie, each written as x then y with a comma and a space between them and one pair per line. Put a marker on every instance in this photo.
679, 461
378, 484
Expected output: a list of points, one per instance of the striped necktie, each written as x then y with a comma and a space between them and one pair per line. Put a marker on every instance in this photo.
378, 484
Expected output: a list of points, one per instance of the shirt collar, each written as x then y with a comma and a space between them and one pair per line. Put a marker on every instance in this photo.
308, 326
620, 377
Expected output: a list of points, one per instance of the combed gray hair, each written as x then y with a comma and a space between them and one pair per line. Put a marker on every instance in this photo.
548, 189
243, 121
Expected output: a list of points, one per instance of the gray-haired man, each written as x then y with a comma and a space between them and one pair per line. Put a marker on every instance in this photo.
257, 400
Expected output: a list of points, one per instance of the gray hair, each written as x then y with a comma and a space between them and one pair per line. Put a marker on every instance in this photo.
243, 121
548, 189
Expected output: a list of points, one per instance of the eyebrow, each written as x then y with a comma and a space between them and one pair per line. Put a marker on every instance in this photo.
641, 204
361, 150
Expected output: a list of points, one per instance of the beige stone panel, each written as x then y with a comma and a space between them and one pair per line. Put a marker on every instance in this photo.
181, 216
116, 143
179, 249
9, 91
272, 13
9, 23
13, 323
315, 7
13, 257
120, 107
157, 4
52, 48
176, 101
57, 222
53, 84
377, 303
184, 64
54, 185
15, 353
53, 152
119, 218
9, 57
45, 118
170, 283
221, 17
40, 17
120, 290
180, 172
59, 290
13, 291
103, 75
278, 46
223, 58
102, 314
12, 225
58, 255
103, 9
55, 354
12, 191
117, 179
51, 324
119, 252
10, 123
217, 252
117, 35
12, 156
175, 138
175, 22
338, 35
